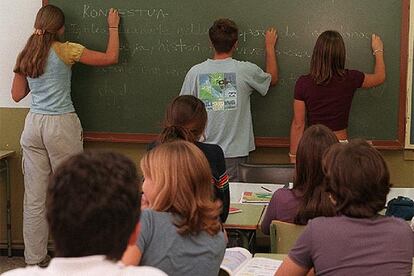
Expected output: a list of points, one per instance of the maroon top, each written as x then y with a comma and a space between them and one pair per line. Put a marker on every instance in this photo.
329, 104
283, 206
355, 246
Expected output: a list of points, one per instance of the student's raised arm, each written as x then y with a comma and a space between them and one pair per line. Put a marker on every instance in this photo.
378, 76
271, 63
109, 57
20, 88
297, 127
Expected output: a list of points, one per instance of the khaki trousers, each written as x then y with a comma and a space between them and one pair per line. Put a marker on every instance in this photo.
47, 140
232, 167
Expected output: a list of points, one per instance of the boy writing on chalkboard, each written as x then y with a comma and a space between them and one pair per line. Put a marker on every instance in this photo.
225, 85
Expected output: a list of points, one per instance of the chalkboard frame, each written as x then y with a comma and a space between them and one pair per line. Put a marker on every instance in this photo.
409, 140
283, 142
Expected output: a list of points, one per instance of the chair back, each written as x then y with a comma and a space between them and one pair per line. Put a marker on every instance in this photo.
283, 236
266, 173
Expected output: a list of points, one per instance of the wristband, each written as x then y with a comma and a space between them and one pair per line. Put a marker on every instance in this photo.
292, 155
113, 27
377, 50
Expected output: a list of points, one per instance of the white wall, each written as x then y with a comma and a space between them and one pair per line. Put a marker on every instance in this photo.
16, 25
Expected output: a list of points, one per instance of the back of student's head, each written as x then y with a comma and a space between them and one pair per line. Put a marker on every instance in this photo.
32, 60
223, 35
181, 177
185, 118
93, 205
328, 58
357, 178
309, 175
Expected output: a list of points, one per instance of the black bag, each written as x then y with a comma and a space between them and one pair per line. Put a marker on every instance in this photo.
401, 207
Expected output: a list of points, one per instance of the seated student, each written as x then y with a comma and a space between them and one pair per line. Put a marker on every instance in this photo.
186, 119
93, 208
358, 241
307, 199
180, 231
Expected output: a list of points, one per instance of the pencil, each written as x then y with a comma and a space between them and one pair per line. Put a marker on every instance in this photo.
266, 189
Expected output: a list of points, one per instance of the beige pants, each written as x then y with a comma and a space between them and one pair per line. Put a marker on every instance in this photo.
46, 141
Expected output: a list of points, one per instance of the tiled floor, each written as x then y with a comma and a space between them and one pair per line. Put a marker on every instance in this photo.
10, 263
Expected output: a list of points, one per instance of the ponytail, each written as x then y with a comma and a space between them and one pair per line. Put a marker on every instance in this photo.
172, 133
32, 60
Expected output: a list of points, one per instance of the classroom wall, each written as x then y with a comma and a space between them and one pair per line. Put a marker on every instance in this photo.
11, 126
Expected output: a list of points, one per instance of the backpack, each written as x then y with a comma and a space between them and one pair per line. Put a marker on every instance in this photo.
401, 207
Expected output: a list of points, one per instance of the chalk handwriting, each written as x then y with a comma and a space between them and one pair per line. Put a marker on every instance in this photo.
93, 12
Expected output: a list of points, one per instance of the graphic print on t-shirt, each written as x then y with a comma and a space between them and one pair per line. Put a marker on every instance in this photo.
218, 91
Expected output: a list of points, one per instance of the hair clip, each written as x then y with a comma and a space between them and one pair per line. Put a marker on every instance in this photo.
39, 32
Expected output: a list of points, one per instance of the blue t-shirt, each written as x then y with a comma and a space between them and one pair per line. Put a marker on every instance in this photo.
51, 90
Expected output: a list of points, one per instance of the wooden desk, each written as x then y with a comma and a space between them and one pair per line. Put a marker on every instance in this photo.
4, 168
245, 223
237, 188
247, 219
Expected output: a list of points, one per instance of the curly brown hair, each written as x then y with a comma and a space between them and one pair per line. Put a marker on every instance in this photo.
93, 205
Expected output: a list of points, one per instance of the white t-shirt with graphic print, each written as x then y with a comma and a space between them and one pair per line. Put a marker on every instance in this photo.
225, 87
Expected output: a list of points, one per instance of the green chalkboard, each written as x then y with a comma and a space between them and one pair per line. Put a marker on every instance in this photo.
162, 39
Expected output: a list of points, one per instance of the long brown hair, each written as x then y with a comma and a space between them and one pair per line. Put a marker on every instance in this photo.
309, 175
357, 177
182, 179
185, 118
328, 58
32, 60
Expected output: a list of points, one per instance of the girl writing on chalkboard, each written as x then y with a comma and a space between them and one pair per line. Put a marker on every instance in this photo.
52, 129
181, 232
186, 119
324, 96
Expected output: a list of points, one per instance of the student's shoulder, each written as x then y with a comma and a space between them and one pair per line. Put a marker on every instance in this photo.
69, 52
212, 148
351, 73
304, 79
284, 192
198, 67
213, 153
247, 65
397, 223
153, 218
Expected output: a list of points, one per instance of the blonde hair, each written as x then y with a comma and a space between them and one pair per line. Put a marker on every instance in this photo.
182, 177
32, 60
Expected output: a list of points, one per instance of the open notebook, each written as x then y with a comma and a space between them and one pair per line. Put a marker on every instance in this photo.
238, 261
